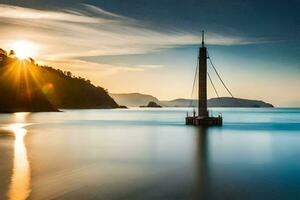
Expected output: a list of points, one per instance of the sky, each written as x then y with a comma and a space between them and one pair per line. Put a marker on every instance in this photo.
151, 47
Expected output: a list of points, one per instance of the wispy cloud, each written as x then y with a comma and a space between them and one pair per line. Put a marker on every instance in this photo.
104, 68
20, 13
91, 31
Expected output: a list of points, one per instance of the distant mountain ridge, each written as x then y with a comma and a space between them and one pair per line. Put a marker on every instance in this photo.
137, 99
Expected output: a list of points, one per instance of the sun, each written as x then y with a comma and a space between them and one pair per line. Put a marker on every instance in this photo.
23, 49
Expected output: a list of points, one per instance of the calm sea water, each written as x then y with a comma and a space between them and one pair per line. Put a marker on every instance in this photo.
149, 154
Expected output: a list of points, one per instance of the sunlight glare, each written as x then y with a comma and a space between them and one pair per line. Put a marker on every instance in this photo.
23, 49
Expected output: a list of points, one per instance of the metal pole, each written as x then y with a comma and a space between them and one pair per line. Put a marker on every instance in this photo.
202, 93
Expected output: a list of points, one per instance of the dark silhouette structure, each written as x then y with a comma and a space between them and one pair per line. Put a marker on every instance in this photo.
202, 92
203, 119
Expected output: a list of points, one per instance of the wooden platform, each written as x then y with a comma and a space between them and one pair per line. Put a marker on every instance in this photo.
204, 121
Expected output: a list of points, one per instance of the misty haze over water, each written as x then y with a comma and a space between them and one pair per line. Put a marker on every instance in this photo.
150, 154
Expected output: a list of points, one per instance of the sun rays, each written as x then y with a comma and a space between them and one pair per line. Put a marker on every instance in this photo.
23, 81
23, 49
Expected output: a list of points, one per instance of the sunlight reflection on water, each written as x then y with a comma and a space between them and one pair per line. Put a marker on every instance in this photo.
19, 188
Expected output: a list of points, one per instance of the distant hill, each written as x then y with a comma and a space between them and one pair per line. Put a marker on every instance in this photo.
151, 104
136, 99
26, 86
179, 103
133, 99
236, 102
218, 102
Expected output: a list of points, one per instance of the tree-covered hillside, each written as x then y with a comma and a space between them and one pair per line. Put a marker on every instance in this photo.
26, 86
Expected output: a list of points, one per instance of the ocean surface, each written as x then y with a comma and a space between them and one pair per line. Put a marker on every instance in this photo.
150, 154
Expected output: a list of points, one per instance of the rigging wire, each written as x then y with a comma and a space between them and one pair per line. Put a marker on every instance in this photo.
213, 85
194, 84
210, 79
219, 76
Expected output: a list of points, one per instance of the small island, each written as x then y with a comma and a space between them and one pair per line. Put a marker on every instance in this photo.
122, 107
151, 104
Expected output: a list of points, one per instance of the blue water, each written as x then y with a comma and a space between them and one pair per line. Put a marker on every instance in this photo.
150, 154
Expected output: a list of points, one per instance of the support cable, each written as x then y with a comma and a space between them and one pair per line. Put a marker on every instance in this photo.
219, 76
213, 85
194, 84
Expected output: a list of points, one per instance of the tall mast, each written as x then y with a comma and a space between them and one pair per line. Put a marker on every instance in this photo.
203, 119
202, 38
202, 93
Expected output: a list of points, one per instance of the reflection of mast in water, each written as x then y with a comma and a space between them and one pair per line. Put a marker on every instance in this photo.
19, 188
202, 182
